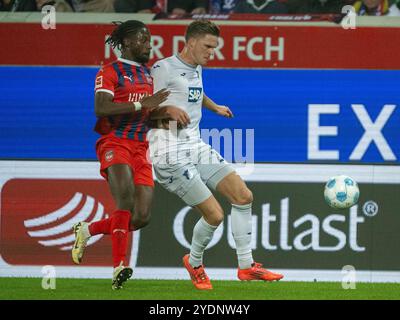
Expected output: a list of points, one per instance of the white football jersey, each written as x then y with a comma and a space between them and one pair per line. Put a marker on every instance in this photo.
185, 83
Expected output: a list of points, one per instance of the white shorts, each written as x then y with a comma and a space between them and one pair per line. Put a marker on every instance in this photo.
192, 172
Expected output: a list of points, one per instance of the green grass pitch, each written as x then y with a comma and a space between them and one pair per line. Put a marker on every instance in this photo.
94, 289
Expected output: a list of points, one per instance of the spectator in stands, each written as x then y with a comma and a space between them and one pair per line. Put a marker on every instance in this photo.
60, 5
33, 5
183, 7
317, 6
93, 5
138, 6
376, 8
260, 6
18, 5
222, 6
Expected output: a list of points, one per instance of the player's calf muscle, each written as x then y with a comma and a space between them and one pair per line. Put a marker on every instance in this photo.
124, 200
211, 211
140, 221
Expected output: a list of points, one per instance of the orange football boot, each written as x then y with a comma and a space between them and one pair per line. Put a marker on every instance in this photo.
257, 272
198, 275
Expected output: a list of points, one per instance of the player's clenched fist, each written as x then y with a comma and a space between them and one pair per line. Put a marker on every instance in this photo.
178, 115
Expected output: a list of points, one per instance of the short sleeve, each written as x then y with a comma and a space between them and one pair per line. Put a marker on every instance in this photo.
106, 81
159, 72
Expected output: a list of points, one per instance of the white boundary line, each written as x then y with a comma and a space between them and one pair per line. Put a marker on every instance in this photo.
181, 273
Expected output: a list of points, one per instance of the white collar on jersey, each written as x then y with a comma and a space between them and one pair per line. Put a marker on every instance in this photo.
133, 63
184, 62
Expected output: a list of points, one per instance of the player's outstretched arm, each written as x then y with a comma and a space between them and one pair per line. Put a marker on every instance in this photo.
104, 105
156, 99
218, 109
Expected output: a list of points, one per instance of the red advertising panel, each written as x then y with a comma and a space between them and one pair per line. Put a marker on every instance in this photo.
240, 47
37, 216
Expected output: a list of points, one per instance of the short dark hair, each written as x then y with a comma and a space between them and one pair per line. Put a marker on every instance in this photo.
122, 30
201, 28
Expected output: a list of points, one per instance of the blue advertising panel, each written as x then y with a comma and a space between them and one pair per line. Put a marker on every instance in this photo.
297, 115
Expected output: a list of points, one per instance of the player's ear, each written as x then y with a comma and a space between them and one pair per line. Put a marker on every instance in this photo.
126, 43
191, 42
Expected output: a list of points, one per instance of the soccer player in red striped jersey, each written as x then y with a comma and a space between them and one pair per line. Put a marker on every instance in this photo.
124, 101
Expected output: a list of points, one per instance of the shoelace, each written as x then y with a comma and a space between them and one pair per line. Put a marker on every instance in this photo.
200, 274
84, 242
257, 265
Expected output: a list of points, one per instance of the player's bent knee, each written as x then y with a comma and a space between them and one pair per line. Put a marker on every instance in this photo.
249, 196
245, 196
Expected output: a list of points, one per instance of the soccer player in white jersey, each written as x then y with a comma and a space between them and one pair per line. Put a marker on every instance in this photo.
188, 167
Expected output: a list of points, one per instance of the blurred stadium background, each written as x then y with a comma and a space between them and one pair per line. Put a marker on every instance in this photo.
321, 96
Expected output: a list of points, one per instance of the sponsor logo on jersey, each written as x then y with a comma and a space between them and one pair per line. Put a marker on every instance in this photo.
129, 78
99, 82
109, 155
194, 94
137, 96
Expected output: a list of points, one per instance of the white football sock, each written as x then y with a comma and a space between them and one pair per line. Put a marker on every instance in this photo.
241, 231
202, 235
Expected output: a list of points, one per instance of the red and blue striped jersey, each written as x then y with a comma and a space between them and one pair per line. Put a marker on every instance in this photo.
127, 81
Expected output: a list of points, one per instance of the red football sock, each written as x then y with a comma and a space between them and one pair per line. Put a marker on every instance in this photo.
119, 235
100, 227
